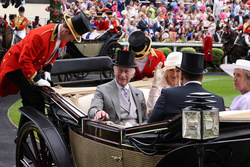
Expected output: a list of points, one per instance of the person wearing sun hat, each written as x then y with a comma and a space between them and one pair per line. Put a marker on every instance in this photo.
117, 100
172, 100
22, 65
147, 58
240, 71
166, 77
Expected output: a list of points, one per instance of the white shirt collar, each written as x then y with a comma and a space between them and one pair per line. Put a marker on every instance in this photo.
192, 82
59, 30
119, 86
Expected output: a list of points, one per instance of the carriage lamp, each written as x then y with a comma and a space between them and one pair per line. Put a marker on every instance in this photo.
200, 121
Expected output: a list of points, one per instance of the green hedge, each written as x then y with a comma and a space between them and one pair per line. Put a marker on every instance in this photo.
165, 50
189, 49
217, 54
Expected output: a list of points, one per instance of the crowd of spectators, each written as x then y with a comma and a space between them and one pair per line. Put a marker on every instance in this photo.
165, 21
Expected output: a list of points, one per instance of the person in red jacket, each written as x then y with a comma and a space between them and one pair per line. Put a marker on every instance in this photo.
99, 22
111, 23
146, 58
19, 24
207, 49
21, 66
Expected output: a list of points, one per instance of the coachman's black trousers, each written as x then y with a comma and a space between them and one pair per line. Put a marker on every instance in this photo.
29, 93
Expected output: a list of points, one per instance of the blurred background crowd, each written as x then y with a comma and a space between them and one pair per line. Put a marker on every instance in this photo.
162, 20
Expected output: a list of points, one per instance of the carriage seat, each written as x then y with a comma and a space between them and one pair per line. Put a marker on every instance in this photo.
236, 115
81, 97
76, 65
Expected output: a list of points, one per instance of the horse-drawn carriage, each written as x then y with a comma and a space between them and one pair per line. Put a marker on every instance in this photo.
65, 136
103, 45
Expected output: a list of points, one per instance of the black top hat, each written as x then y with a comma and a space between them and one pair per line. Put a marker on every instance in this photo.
78, 25
36, 17
12, 16
139, 43
109, 13
21, 9
192, 63
99, 14
247, 17
125, 59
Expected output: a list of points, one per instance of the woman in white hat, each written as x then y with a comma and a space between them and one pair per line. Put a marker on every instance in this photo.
166, 77
241, 78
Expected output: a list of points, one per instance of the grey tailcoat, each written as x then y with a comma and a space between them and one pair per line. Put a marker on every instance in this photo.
106, 98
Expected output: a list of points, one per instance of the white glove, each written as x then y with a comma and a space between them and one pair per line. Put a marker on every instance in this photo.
158, 75
42, 82
111, 26
13, 28
47, 76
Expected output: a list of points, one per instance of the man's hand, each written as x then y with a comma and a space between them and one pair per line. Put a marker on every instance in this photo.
158, 75
42, 82
101, 114
47, 76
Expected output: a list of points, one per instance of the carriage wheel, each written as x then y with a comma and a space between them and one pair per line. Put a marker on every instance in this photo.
31, 149
69, 77
111, 51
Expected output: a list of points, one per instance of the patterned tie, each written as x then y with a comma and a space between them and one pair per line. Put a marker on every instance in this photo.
125, 93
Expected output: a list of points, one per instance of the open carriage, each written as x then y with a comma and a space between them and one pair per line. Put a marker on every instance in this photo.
65, 136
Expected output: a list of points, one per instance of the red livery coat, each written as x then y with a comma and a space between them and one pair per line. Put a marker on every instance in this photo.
100, 24
114, 23
207, 46
21, 23
245, 27
29, 55
149, 68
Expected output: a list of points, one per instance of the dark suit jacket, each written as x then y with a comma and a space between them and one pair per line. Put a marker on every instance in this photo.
172, 101
237, 18
155, 26
168, 22
143, 25
106, 98
216, 39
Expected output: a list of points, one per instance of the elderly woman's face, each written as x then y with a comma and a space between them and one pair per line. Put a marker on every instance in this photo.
173, 76
239, 80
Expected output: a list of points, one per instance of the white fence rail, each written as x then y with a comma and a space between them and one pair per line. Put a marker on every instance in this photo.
175, 45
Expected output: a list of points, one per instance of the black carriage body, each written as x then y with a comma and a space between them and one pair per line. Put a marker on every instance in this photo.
160, 144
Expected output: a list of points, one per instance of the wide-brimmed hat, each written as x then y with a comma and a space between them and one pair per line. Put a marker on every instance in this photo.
192, 62
173, 60
78, 25
240, 63
125, 59
139, 43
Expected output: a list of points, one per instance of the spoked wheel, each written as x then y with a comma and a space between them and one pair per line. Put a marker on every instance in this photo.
32, 150
111, 51
69, 77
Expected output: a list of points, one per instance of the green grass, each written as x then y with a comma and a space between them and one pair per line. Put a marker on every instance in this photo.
220, 85
14, 113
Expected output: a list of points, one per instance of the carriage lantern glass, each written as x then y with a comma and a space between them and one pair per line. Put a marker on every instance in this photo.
200, 121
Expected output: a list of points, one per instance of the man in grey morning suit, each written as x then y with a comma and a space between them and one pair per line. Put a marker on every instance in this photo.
172, 100
117, 101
